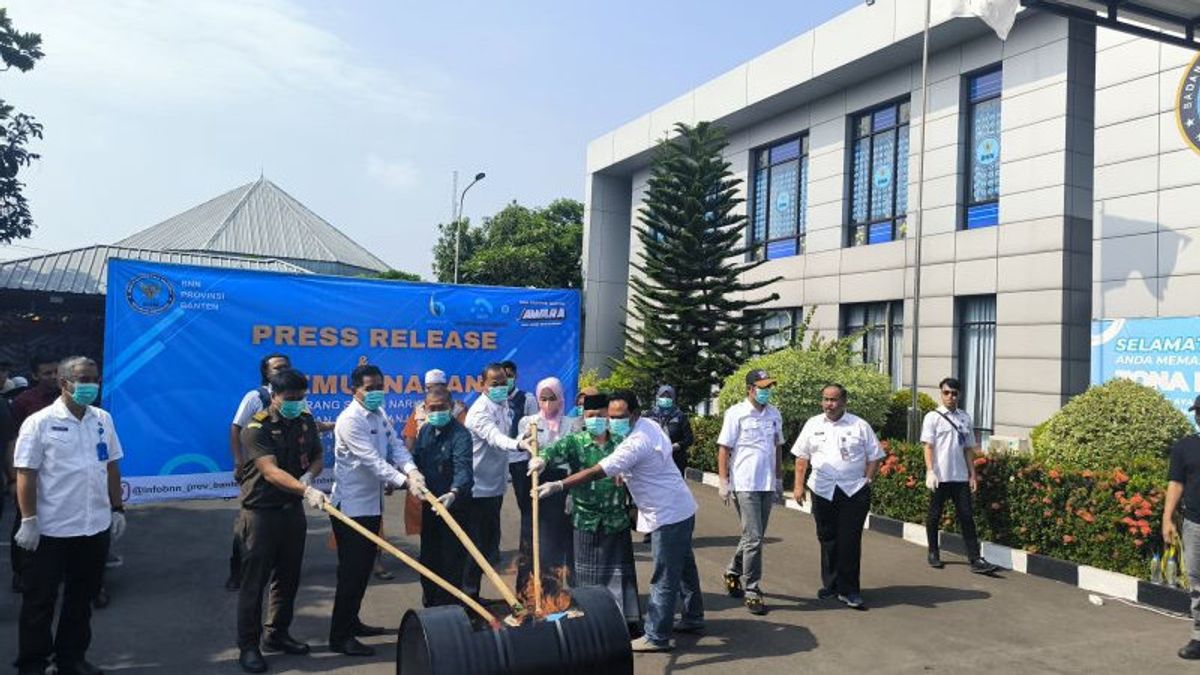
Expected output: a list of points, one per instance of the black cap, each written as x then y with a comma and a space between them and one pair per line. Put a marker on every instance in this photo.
595, 401
1195, 405
759, 378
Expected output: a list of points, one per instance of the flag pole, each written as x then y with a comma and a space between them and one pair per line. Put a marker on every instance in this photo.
914, 411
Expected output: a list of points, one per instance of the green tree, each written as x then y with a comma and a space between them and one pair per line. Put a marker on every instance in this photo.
688, 305
17, 50
398, 275
519, 246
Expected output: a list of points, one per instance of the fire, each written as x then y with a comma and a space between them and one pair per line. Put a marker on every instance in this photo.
555, 596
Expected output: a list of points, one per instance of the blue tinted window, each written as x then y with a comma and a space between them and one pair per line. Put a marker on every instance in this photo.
878, 187
780, 199
982, 189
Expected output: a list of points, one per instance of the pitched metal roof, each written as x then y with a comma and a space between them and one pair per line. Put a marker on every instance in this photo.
256, 219
83, 270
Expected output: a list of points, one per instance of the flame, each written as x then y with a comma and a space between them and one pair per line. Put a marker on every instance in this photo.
555, 596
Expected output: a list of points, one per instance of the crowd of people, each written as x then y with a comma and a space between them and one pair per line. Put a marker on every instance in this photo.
606, 468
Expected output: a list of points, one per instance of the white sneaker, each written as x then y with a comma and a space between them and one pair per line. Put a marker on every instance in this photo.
644, 645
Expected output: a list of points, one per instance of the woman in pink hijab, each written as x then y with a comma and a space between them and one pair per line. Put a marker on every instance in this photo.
555, 533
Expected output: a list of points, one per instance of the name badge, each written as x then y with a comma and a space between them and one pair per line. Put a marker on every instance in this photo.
102, 451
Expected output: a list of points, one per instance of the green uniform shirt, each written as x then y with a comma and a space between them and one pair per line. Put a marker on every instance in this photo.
294, 443
600, 505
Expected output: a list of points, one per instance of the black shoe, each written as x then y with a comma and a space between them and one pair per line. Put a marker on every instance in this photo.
853, 601
363, 630
826, 593
1190, 651
981, 566
733, 586
252, 661
284, 643
233, 583
101, 600
935, 560
80, 667
352, 647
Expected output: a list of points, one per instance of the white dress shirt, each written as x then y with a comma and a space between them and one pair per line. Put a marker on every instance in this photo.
531, 409
643, 459
72, 479
752, 437
362, 442
949, 438
838, 453
545, 436
489, 424
250, 405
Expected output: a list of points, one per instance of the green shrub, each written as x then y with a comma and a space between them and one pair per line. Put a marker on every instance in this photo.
801, 373
1117, 425
703, 453
896, 424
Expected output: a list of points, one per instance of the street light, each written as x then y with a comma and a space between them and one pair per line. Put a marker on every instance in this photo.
457, 229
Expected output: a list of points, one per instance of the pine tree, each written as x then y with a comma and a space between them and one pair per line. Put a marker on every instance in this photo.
688, 306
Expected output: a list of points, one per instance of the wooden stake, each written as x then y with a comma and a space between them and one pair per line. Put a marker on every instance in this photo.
509, 597
537, 552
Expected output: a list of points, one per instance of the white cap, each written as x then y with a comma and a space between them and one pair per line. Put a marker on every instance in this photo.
435, 376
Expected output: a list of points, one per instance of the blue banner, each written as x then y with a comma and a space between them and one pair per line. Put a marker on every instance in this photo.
1163, 354
182, 346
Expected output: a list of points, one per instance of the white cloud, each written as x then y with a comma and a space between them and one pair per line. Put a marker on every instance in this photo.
392, 173
208, 52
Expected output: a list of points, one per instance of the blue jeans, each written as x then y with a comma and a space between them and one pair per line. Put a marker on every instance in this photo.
674, 577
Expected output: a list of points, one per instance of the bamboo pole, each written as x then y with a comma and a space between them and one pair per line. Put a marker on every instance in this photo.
537, 550
509, 597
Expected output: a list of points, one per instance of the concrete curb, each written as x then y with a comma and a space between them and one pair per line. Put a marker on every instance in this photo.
1081, 576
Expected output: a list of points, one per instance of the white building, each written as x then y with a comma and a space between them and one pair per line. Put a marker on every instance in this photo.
1060, 186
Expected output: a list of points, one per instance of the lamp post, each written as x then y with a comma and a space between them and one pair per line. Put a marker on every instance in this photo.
457, 229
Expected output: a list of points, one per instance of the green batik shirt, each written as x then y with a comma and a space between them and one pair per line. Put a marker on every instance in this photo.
600, 505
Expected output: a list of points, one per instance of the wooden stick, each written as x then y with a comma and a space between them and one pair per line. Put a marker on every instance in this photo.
408, 560
509, 597
537, 553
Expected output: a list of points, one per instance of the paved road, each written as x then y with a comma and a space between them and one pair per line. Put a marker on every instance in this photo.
169, 613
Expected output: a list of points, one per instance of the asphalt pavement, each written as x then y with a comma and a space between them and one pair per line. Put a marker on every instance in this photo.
170, 613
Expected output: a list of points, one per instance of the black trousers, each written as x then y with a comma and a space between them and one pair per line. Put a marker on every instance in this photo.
556, 539
483, 527
356, 558
16, 554
522, 484
839, 530
272, 548
442, 552
960, 493
77, 563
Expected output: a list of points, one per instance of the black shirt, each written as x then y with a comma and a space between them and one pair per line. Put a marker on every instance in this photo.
443, 455
295, 444
1185, 468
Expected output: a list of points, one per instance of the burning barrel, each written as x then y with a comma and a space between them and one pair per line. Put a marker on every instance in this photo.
590, 638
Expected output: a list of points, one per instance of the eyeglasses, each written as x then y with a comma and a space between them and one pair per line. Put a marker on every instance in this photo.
949, 392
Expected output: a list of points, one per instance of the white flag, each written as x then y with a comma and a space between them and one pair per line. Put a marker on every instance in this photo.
998, 14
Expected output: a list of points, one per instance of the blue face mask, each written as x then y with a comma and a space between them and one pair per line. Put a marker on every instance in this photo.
577, 411
372, 400
498, 394
666, 403
292, 409
438, 418
84, 393
762, 396
596, 426
619, 426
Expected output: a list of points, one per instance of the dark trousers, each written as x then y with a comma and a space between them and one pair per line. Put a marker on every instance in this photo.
839, 530
441, 552
522, 484
556, 539
16, 554
77, 563
235, 556
272, 548
960, 493
483, 527
356, 558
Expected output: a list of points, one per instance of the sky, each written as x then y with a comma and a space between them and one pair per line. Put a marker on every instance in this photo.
360, 109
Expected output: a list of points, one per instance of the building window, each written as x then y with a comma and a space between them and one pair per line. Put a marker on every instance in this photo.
775, 329
882, 340
983, 160
780, 200
879, 175
977, 359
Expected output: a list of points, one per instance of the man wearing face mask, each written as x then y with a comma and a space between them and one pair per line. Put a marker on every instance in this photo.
675, 422
363, 440
69, 490
283, 455
489, 420
750, 449
600, 513
442, 451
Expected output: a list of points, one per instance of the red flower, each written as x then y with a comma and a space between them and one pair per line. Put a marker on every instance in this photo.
1055, 474
1067, 539
1086, 516
1138, 542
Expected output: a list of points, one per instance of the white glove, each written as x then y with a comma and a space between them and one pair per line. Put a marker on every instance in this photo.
415, 476
448, 499
306, 479
29, 535
417, 489
315, 498
536, 465
931, 480
117, 529
723, 490
546, 489
524, 444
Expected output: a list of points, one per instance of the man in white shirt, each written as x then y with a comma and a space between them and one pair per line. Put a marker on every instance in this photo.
666, 509
364, 438
950, 443
750, 447
489, 421
69, 490
844, 454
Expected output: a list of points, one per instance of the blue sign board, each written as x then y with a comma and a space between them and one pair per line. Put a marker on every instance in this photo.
183, 344
1160, 353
